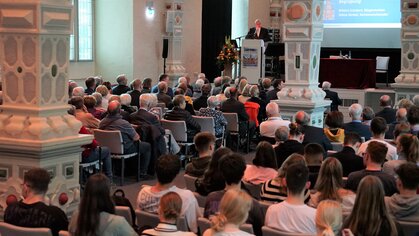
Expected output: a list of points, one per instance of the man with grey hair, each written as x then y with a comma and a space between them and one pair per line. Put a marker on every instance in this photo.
217, 86
135, 92
198, 86
122, 85
415, 100
258, 32
162, 94
281, 135
333, 96
131, 139
78, 92
274, 121
210, 111
367, 115
356, 126
388, 113
312, 134
265, 87
401, 117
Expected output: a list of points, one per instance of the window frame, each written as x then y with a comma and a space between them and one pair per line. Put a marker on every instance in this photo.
76, 49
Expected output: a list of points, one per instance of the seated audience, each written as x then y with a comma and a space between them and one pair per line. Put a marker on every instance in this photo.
329, 218
225, 93
108, 85
213, 179
201, 102
188, 107
217, 86
264, 88
312, 134
404, 103
408, 150
405, 204
146, 85
81, 114
254, 97
197, 88
292, 215
170, 207
179, 113
274, 190
329, 186
211, 111
78, 92
264, 165
245, 93
347, 157
122, 85
388, 113
103, 90
89, 102
292, 145
313, 153
281, 135
369, 215
378, 129
135, 93
401, 117
234, 209
272, 94
99, 104
96, 212
334, 131
374, 158
90, 85
124, 114
162, 96
167, 168
367, 115
356, 126
31, 211
71, 86
131, 139
242, 83
126, 103
186, 91
204, 145
413, 119
268, 128
163, 78
333, 96
232, 167
415, 100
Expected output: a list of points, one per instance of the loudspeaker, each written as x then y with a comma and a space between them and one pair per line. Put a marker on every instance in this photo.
165, 48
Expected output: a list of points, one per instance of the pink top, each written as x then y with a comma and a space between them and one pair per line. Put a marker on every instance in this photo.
258, 175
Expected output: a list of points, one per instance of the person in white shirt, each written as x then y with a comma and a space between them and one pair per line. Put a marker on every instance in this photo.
292, 215
274, 121
167, 168
378, 129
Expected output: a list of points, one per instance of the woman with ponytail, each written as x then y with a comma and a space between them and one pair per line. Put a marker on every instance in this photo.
328, 218
408, 151
234, 209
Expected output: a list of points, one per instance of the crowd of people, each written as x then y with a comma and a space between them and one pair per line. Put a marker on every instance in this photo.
363, 189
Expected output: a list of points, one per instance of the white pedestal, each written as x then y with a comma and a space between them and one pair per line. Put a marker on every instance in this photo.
252, 62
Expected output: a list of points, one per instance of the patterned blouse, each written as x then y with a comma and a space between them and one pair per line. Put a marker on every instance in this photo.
219, 119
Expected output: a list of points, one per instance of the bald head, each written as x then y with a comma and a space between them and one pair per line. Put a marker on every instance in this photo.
401, 115
114, 108
272, 109
385, 101
302, 118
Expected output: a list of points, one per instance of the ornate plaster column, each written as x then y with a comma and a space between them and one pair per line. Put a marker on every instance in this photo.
35, 129
407, 83
302, 35
174, 33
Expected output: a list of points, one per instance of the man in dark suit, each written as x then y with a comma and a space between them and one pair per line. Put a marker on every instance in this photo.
201, 102
162, 95
272, 94
122, 85
333, 96
258, 32
312, 134
356, 126
135, 92
347, 157
388, 113
163, 78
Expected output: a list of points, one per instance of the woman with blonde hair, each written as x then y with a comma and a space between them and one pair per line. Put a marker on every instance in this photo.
329, 186
273, 190
408, 151
328, 218
369, 215
234, 210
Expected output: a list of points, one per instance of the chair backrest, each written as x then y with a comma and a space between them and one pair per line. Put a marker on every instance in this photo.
161, 104
267, 231
125, 212
190, 182
264, 206
207, 123
252, 110
111, 139
158, 111
201, 199
63, 233
203, 224
253, 189
410, 228
232, 121
150, 219
9, 229
247, 228
178, 128
382, 63
336, 146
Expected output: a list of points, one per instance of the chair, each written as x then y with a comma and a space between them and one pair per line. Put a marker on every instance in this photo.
87, 169
200, 199
336, 146
9, 229
382, 66
113, 140
264, 206
207, 125
267, 231
409, 228
234, 127
179, 132
190, 182
146, 218
63, 233
253, 189
125, 212
247, 228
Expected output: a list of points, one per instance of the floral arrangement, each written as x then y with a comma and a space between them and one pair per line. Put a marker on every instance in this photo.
228, 54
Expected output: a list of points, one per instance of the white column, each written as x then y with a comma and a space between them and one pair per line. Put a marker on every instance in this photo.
35, 129
302, 34
407, 82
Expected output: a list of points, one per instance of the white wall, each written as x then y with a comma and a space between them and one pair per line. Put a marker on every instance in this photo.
78, 71
259, 9
239, 18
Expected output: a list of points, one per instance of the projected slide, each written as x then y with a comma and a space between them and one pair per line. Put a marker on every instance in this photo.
362, 14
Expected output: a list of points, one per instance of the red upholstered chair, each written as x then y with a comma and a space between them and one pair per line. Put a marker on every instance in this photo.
252, 110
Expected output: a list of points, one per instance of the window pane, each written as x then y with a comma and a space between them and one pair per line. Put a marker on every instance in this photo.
85, 29
72, 58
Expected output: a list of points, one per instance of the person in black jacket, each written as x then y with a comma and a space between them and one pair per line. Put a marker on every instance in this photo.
388, 113
122, 85
355, 112
135, 93
258, 32
347, 157
201, 102
333, 96
312, 134
179, 113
